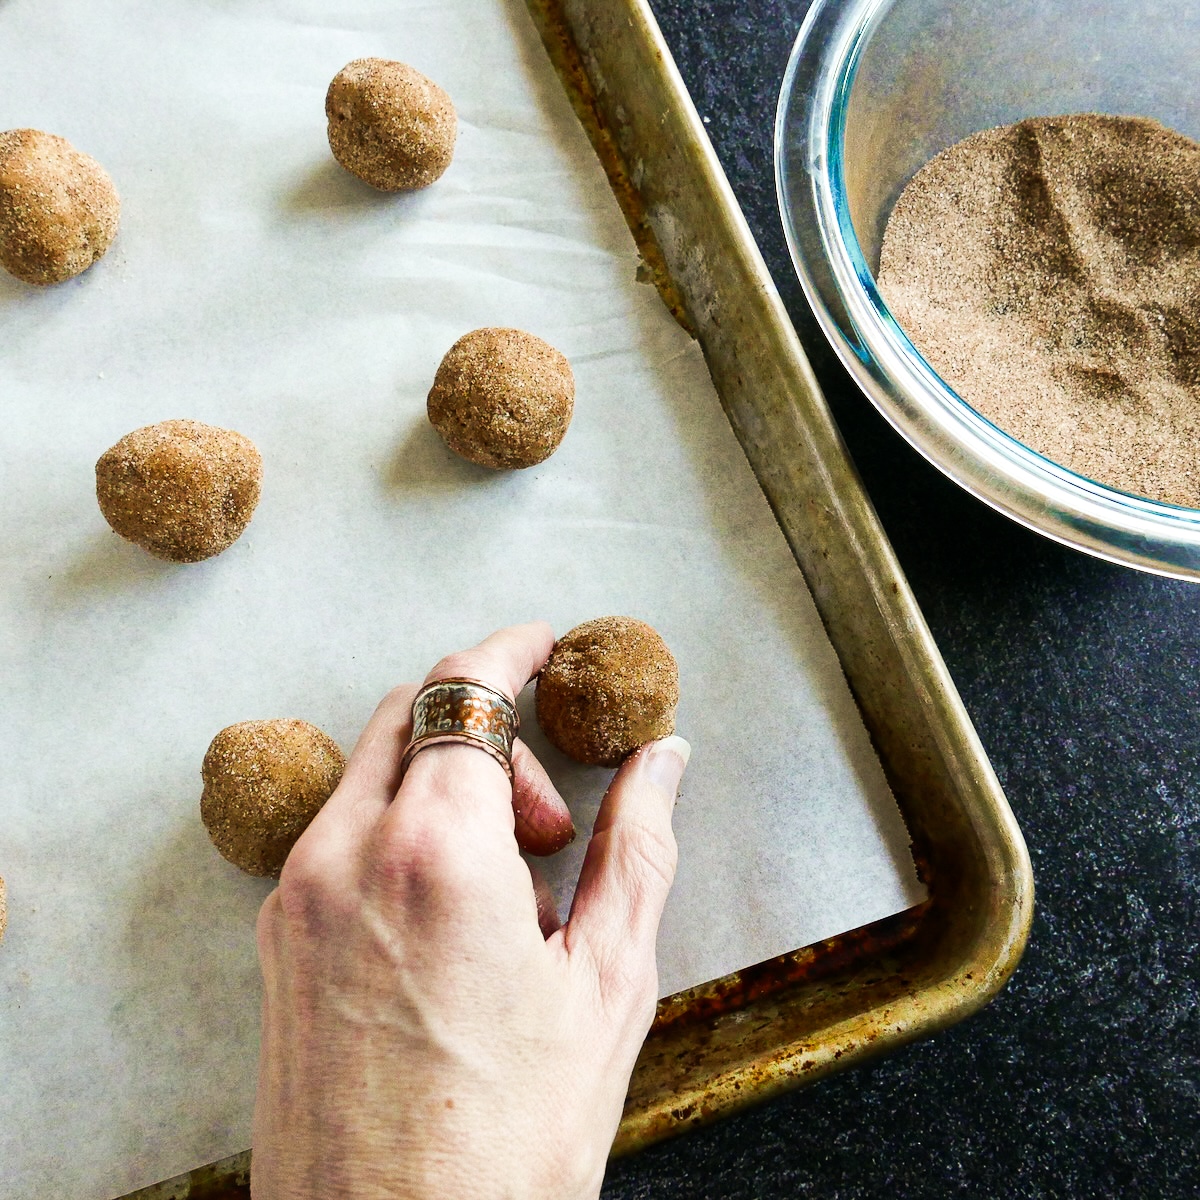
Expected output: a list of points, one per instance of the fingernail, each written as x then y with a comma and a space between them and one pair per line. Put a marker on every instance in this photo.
665, 761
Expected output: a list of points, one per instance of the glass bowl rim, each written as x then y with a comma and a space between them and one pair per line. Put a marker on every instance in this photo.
991, 464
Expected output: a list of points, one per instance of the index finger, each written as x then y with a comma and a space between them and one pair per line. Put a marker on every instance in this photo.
505, 660
460, 777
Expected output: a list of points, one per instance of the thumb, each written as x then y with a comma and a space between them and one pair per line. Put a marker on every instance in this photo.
628, 870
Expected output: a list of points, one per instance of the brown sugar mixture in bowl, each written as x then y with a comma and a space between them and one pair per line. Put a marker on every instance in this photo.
264, 781
58, 208
609, 686
181, 490
1049, 271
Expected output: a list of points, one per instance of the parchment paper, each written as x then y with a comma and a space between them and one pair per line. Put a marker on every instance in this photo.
255, 285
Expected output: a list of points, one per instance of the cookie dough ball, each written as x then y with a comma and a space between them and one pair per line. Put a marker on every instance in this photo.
502, 398
609, 686
58, 208
389, 125
264, 781
182, 490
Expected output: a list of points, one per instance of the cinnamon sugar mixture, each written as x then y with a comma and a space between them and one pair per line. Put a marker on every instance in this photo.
389, 125
59, 210
502, 398
264, 782
1049, 271
609, 686
182, 490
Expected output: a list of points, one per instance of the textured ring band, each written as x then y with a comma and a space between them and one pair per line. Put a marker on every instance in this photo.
467, 712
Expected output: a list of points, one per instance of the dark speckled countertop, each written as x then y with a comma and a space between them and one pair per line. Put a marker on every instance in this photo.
1083, 1078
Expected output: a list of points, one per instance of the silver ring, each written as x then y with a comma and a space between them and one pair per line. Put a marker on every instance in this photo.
467, 712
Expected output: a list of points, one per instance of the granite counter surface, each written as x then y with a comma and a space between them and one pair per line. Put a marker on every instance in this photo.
1083, 1078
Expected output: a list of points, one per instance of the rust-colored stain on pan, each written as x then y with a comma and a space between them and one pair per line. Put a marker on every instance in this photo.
807, 966
772, 1026
564, 54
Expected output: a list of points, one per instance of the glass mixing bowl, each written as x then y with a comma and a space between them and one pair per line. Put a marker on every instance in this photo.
874, 89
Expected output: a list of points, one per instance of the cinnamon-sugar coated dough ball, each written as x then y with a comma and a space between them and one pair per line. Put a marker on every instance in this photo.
609, 686
502, 398
58, 208
389, 124
181, 490
264, 781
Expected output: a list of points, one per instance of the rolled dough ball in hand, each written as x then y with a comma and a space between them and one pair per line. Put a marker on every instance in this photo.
182, 490
58, 208
609, 686
502, 398
389, 125
264, 781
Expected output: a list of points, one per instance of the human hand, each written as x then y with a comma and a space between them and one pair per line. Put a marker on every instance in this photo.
428, 1029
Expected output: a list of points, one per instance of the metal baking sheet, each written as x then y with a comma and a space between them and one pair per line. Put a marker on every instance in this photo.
775, 1025
779, 1024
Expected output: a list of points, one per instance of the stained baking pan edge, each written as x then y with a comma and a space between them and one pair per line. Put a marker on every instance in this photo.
776, 1025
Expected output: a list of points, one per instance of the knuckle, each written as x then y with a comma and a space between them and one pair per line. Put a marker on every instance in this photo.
649, 856
475, 663
397, 695
460, 663
421, 864
643, 1002
576, 1160
397, 701
307, 894
266, 928
305, 866
628, 985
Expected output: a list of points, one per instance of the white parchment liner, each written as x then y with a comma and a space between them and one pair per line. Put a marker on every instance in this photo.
255, 285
